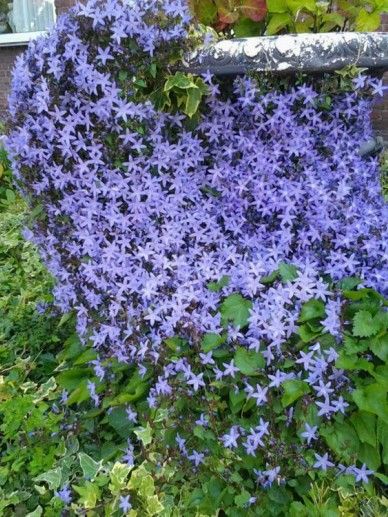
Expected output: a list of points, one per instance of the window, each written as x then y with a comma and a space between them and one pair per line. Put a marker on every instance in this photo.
21, 20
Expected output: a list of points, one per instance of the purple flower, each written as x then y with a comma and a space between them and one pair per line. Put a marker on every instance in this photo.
93, 394
229, 440
124, 503
131, 415
128, 457
202, 420
310, 432
196, 457
230, 369
196, 381
340, 405
323, 462
362, 474
64, 494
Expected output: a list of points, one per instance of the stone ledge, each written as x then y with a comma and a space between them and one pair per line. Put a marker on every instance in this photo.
291, 53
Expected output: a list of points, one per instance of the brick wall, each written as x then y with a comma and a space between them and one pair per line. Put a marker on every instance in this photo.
7, 58
8, 55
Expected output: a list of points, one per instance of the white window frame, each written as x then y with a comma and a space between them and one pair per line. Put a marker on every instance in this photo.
15, 39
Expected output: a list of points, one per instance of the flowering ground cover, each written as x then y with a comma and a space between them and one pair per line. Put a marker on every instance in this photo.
218, 326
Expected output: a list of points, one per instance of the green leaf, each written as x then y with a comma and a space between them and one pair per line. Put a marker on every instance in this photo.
181, 81
278, 22
194, 96
342, 439
353, 362
307, 334
144, 434
242, 499
382, 437
177, 344
236, 400
365, 325
211, 341
118, 477
141, 481
51, 477
236, 309
45, 389
313, 309
89, 466
379, 346
90, 494
349, 283
88, 355
365, 426
245, 27
288, 272
373, 399
118, 419
218, 286
298, 5
381, 477
70, 379
80, 394
205, 10
153, 505
368, 22
293, 390
248, 362
370, 456
277, 6
36, 513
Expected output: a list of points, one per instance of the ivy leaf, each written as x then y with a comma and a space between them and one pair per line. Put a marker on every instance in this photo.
118, 477
89, 493
365, 325
293, 390
179, 80
236, 309
277, 22
194, 96
51, 477
248, 361
144, 434
89, 466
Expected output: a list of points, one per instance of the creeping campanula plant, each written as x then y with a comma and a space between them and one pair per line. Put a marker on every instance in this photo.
206, 253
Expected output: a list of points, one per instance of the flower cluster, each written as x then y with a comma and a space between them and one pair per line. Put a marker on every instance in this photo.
151, 225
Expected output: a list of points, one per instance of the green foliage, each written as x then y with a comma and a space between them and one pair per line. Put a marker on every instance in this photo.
48, 440
244, 18
236, 309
